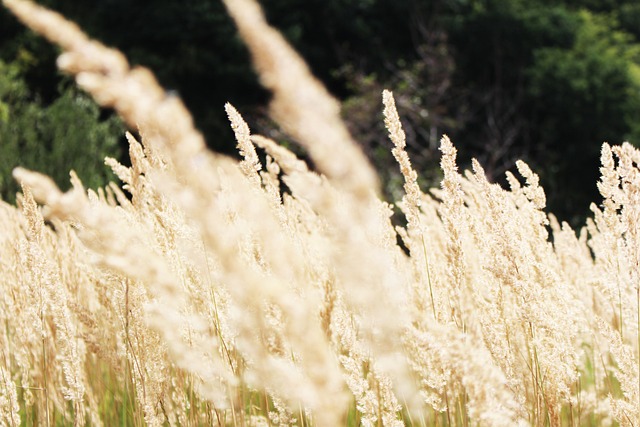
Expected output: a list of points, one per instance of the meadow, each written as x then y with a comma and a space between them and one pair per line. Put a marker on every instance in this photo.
201, 290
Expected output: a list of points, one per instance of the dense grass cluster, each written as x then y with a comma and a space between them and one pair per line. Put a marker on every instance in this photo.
205, 291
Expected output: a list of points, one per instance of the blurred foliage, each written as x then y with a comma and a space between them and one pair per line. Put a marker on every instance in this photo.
548, 82
66, 134
543, 80
580, 97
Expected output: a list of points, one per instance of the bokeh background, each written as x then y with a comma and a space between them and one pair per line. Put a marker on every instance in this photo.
546, 81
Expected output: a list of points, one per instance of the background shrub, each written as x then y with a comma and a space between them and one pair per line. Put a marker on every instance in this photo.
69, 133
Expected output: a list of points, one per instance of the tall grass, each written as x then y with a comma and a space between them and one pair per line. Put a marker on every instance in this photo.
206, 291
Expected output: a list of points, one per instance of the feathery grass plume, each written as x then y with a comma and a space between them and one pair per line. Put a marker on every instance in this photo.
624, 409
372, 389
163, 120
431, 372
456, 225
437, 346
70, 351
303, 107
353, 225
251, 165
120, 248
301, 104
414, 235
576, 265
572, 251
614, 241
260, 279
413, 195
61, 355
139, 346
628, 171
22, 307
9, 408
466, 368
522, 266
87, 327
271, 183
346, 333
365, 265
166, 125
287, 160
224, 293
435, 366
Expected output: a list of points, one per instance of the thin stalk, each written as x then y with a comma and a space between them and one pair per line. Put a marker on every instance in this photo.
446, 400
266, 405
539, 378
460, 411
233, 411
192, 413
301, 412
620, 313
243, 387
464, 409
216, 317
579, 408
44, 362
407, 412
379, 423
426, 261
638, 336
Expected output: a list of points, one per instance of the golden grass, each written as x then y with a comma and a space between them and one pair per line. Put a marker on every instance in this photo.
230, 293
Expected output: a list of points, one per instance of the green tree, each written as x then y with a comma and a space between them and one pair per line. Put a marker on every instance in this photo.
543, 80
580, 97
548, 82
66, 134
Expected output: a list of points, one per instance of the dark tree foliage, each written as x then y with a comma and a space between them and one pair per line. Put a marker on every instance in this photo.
543, 80
66, 134
190, 45
548, 84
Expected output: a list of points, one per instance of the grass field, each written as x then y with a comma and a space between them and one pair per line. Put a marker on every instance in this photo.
205, 291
